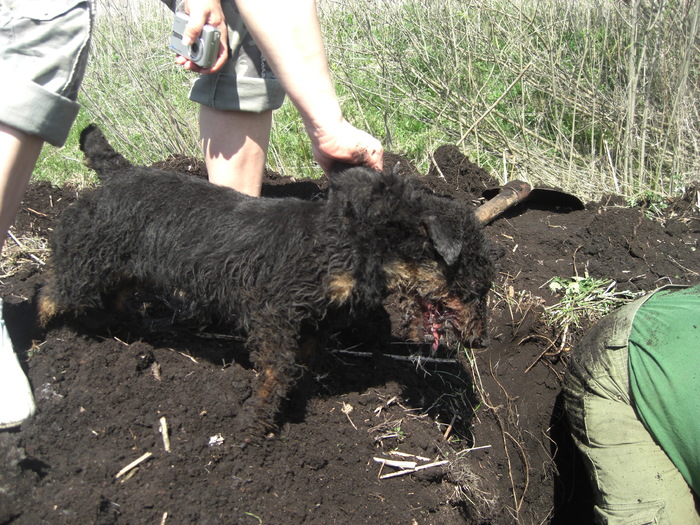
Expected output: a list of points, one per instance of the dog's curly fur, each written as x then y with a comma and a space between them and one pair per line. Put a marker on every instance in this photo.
271, 266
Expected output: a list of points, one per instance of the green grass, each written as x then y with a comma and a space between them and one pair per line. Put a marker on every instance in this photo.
62, 166
583, 300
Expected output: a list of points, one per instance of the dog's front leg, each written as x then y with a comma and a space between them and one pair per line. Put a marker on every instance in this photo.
275, 353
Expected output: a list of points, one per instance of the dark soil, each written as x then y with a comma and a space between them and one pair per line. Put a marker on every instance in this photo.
101, 395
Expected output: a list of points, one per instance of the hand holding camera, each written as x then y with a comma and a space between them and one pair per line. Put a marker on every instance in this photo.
203, 50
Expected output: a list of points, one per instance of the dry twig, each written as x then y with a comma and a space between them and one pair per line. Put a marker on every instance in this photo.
164, 433
133, 464
406, 467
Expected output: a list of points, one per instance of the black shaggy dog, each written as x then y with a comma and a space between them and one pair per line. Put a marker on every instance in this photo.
272, 267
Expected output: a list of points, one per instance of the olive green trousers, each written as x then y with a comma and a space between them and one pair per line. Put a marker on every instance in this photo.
634, 481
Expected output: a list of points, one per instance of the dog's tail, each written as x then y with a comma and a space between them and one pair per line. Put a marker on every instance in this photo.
99, 155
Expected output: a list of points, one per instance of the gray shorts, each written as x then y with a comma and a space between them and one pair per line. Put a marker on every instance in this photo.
44, 46
245, 83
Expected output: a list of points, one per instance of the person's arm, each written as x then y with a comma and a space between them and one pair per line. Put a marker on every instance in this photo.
289, 35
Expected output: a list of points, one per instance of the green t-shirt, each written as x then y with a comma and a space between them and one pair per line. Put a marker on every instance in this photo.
664, 366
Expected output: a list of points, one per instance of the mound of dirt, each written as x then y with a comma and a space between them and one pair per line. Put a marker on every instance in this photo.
104, 397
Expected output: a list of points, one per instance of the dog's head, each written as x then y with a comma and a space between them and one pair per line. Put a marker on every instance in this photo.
422, 252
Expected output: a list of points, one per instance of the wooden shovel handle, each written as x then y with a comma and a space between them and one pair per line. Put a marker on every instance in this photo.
511, 194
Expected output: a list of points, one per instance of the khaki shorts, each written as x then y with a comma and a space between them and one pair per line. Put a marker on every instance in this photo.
245, 83
43, 51
633, 479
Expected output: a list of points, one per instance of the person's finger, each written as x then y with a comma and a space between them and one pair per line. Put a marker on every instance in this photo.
197, 19
375, 159
187, 64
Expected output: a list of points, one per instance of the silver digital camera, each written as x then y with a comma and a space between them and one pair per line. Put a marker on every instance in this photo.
202, 51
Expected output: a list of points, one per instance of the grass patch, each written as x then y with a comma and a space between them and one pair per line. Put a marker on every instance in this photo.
583, 301
18, 252
61, 166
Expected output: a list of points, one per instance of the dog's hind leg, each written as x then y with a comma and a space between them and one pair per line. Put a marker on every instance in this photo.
53, 301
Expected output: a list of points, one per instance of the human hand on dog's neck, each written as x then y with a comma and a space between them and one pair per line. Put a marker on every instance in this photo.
344, 143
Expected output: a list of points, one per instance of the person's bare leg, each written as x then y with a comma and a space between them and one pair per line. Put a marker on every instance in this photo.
235, 147
18, 155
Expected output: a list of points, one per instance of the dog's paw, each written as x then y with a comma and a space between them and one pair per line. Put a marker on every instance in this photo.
251, 429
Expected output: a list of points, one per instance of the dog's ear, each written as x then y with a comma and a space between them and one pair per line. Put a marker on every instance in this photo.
445, 236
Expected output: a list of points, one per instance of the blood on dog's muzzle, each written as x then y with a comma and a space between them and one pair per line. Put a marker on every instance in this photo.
450, 322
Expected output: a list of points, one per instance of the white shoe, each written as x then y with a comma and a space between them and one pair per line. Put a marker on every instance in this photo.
16, 399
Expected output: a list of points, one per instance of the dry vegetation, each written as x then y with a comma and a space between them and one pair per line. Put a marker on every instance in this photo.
594, 97
591, 96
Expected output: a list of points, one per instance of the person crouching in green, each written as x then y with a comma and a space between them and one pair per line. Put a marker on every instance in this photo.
632, 398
